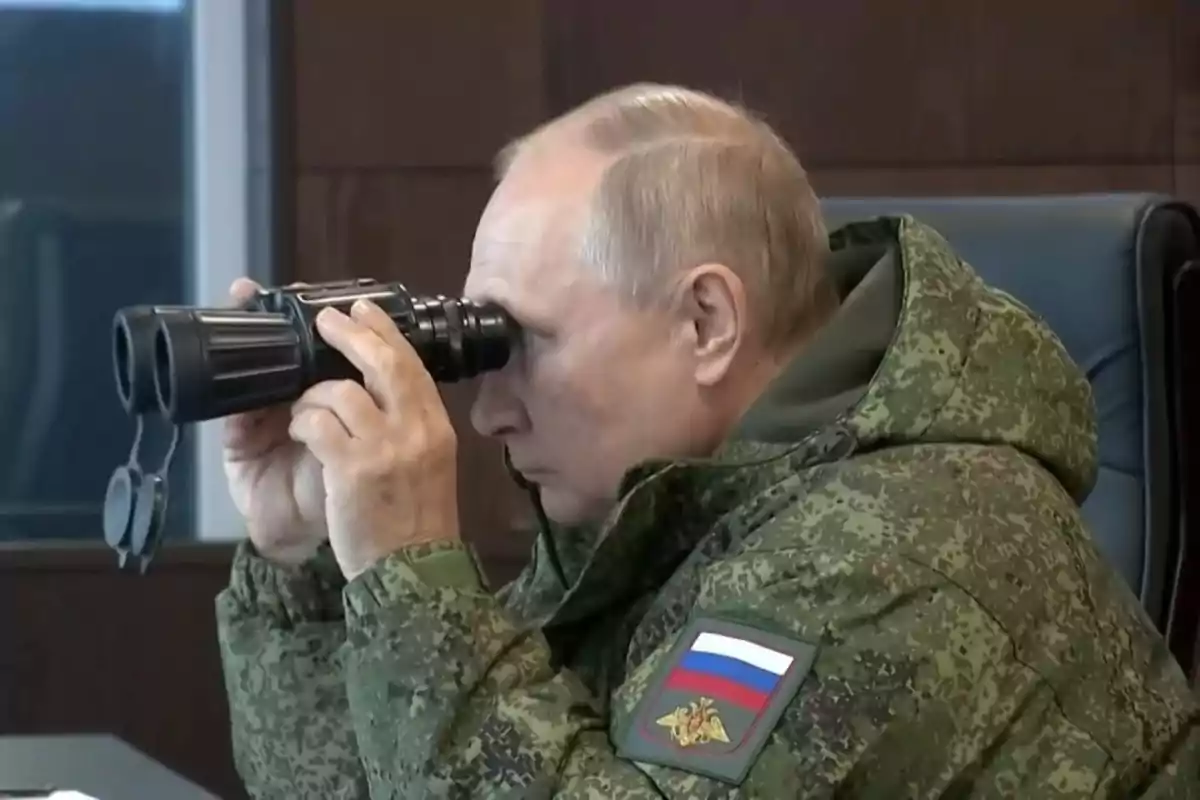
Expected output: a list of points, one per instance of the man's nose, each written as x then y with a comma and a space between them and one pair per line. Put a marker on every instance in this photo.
496, 411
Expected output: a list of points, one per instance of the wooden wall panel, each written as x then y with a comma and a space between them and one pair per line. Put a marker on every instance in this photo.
413, 224
816, 71
399, 108
392, 84
1187, 82
1070, 82
1187, 101
1187, 182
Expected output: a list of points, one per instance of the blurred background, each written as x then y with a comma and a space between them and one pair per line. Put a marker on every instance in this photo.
152, 151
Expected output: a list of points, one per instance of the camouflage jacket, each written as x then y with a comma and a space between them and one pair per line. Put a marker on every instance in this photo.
917, 606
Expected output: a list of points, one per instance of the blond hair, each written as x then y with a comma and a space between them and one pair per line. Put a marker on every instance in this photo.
694, 179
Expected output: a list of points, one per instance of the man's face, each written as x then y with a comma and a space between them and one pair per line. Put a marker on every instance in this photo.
594, 386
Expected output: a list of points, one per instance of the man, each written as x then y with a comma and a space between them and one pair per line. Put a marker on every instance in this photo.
809, 506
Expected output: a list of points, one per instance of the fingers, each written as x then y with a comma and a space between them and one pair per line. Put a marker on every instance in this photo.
390, 372
320, 430
244, 289
375, 318
331, 415
253, 434
415, 377
351, 405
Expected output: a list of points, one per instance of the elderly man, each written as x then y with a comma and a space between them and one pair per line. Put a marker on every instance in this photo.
808, 503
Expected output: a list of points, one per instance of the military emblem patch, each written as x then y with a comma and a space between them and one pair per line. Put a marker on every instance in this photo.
714, 701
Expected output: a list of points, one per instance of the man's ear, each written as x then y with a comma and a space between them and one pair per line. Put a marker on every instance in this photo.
713, 300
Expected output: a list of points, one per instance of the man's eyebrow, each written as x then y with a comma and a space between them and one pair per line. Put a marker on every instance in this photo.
527, 322
527, 314
527, 318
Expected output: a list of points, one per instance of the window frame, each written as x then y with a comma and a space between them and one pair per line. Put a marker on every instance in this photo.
237, 184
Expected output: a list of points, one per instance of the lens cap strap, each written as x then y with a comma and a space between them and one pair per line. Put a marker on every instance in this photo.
150, 510
135, 504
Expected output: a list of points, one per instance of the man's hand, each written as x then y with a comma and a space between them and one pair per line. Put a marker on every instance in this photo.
275, 482
387, 449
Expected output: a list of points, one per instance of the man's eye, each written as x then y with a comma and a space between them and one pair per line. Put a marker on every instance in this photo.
534, 341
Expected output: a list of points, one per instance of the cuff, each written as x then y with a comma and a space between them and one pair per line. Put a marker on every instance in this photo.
310, 592
413, 574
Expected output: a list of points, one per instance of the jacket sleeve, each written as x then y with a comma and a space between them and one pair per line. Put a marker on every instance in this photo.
281, 632
451, 698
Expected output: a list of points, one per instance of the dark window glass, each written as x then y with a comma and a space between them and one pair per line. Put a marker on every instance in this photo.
93, 112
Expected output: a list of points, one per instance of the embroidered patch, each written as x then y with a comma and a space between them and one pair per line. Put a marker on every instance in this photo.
713, 702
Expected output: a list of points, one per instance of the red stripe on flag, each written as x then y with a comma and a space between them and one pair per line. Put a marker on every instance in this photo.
685, 680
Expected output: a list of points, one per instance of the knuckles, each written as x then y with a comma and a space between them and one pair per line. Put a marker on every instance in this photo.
346, 393
416, 450
322, 422
388, 365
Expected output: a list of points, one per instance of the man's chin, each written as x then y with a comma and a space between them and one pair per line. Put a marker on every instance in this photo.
565, 507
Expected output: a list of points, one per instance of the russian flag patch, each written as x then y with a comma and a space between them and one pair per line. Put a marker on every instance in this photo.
712, 704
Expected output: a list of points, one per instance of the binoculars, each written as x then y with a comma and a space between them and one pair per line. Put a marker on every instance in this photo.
189, 364
192, 364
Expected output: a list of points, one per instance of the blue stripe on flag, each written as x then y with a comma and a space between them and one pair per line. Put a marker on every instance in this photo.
730, 669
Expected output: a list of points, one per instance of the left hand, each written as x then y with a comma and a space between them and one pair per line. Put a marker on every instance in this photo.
387, 448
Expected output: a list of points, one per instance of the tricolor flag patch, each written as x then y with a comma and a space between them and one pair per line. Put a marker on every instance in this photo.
728, 668
713, 703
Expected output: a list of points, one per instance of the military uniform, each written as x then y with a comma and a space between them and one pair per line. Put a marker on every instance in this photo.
880, 586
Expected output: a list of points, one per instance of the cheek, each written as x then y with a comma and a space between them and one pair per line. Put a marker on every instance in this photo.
574, 391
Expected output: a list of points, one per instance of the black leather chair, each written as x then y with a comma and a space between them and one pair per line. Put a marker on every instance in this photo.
1115, 276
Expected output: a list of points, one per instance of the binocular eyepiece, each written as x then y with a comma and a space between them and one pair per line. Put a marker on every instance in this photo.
188, 364
192, 364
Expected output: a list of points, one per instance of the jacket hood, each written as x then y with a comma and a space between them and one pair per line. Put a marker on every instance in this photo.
961, 361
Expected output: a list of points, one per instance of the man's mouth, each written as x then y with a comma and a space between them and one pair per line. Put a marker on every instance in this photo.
531, 472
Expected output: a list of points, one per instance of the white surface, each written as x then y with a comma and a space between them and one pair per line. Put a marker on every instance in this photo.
221, 214
753, 654
101, 766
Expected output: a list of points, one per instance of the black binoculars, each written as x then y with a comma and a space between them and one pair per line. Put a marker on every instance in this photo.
192, 364
189, 364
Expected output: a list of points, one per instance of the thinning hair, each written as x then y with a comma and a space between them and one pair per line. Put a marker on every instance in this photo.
693, 179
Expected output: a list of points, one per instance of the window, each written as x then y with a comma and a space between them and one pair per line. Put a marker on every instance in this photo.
124, 179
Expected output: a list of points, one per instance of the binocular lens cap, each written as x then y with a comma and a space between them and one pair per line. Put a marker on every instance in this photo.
149, 515
118, 506
135, 509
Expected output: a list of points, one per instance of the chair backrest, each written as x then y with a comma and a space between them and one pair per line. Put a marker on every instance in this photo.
1101, 270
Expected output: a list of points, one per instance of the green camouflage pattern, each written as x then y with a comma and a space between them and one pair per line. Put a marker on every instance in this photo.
972, 641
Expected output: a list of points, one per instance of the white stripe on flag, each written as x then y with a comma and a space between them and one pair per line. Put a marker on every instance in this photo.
754, 654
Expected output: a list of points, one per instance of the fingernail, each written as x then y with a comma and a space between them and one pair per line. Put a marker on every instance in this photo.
359, 307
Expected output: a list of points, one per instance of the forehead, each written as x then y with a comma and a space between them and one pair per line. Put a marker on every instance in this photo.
526, 244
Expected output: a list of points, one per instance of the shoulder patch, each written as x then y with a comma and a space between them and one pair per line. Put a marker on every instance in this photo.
712, 704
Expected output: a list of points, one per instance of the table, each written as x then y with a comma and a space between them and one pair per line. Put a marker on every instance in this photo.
99, 765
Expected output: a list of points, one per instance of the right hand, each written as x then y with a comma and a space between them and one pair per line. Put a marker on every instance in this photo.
275, 482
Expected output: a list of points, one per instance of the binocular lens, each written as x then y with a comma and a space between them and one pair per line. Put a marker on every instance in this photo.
163, 369
133, 356
123, 362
